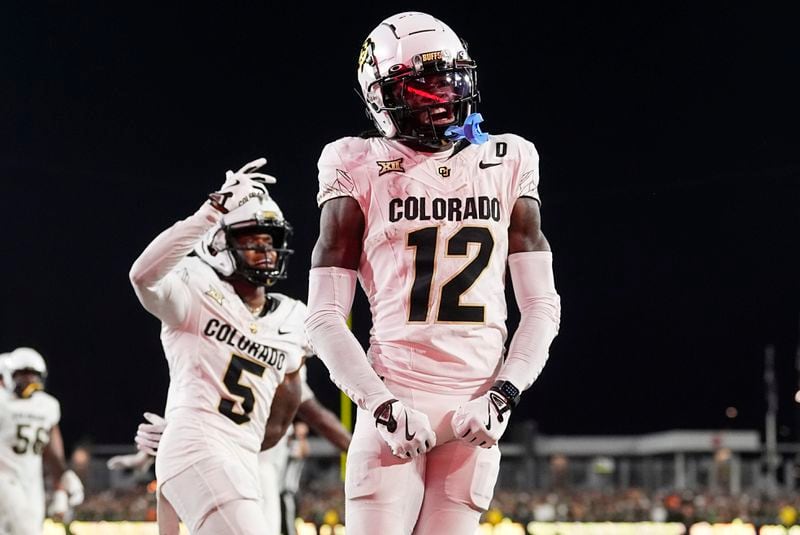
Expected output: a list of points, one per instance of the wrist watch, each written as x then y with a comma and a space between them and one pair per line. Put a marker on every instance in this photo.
509, 391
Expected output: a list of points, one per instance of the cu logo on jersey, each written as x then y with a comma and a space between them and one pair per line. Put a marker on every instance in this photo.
444, 171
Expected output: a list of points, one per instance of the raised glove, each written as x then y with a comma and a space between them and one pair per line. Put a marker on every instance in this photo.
149, 435
482, 421
241, 186
407, 431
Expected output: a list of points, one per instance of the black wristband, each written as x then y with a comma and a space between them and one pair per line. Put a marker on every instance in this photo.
509, 391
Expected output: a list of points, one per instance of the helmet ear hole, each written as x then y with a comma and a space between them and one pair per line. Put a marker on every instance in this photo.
217, 243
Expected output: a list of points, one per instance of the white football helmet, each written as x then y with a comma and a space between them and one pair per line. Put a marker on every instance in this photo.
27, 359
416, 77
260, 215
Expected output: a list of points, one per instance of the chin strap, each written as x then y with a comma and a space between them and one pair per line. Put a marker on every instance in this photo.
28, 391
471, 130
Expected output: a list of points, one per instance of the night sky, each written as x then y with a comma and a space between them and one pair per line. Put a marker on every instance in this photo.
670, 164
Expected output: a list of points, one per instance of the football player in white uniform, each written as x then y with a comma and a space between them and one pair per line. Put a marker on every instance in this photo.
428, 213
229, 345
36, 438
272, 462
13, 503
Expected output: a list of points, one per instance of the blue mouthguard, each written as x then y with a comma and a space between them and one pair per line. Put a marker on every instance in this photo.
471, 131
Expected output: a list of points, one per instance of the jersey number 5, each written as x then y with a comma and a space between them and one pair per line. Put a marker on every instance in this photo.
231, 380
450, 309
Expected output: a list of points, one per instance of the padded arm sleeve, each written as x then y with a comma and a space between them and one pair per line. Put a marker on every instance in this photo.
161, 292
540, 315
330, 296
305, 391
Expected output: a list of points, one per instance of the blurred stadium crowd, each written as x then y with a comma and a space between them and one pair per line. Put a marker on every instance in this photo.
545, 486
321, 502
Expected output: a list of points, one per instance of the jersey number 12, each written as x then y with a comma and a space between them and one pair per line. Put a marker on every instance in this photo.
450, 309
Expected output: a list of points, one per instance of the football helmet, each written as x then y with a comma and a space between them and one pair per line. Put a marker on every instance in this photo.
416, 78
27, 359
220, 249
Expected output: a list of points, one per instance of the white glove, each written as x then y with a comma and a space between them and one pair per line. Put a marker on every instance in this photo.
408, 432
73, 487
241, 186
149, 435
482, 421
141, 461
59, 504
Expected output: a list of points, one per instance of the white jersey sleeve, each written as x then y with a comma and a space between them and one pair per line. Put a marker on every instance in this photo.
334, 178
292, 324
305, 391
161, 290
56, 411
525, 182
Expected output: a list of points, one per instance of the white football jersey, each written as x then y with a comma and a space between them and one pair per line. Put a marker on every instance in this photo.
8, 432
31, 420
225, 364
434, 252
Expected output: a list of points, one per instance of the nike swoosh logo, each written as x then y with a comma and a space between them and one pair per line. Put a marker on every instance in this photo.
409, 436
487, 165
284, 332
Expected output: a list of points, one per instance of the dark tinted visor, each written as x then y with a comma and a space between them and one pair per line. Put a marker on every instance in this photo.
429, 89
